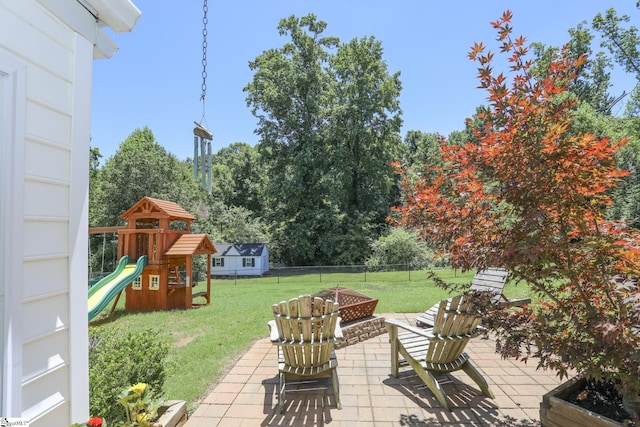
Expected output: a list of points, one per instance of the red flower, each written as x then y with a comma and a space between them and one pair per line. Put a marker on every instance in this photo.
95, 422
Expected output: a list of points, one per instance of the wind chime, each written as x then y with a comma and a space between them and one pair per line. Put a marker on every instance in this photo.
202, 137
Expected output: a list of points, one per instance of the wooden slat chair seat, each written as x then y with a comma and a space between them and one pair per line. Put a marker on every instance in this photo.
431, 352
305, 330
491, 280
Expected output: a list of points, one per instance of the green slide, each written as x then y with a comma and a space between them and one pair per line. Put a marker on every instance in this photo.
106, 289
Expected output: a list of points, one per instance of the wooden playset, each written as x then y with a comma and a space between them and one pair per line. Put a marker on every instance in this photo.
161, 230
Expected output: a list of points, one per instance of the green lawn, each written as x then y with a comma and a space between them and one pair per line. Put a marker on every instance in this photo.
206, 342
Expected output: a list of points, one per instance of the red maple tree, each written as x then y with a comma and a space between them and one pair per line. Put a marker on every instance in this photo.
529, 194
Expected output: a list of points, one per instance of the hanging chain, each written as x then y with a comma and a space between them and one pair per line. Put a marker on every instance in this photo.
205, 21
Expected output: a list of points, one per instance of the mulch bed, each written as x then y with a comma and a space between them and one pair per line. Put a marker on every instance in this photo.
601, 398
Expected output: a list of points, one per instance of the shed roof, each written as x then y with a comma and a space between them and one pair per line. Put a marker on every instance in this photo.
191, 244
156, 208
244, 249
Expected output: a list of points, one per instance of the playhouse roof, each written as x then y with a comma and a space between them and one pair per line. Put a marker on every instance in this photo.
156, 208
191, 244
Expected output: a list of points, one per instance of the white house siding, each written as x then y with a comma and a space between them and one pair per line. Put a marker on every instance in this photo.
53, 187
233, 262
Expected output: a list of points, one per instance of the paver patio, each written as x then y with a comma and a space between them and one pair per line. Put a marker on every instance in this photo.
247, 395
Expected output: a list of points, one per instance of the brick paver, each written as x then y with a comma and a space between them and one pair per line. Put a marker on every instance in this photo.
247, 395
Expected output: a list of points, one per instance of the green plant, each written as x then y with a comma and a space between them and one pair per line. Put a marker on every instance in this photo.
117, 360
400, 247
140, 406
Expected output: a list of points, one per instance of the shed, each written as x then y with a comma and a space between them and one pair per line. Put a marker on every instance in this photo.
240, 259
47, 48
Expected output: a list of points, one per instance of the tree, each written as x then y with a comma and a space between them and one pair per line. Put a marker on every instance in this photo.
238, 179
364, 127
141, 167
329, 128
289, 96
530, 195
593, 77
422, 152
233, 224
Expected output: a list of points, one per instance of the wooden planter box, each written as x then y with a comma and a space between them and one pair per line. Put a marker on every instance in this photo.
353, 305
172, 413
557, 412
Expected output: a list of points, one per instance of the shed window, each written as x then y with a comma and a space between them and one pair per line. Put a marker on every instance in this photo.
248, 262
218, 262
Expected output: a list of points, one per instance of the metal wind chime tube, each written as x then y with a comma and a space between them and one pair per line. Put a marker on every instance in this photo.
195, 157
205, 171
202, 163
209, 166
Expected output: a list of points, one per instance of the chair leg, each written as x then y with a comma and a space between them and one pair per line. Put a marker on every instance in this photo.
478, 378
336, 388
431, 382
281, 393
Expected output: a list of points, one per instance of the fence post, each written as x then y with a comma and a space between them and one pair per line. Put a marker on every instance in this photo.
365, 273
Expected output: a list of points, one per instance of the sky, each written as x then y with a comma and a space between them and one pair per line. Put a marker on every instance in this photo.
155, 79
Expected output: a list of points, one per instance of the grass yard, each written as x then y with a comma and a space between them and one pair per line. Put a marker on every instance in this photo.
206, 342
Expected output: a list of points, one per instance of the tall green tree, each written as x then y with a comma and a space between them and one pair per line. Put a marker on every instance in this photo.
289, 95
238, 179
364, 139
365, 125
422, 151
328, 120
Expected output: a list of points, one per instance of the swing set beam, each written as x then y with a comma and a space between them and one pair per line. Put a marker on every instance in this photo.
112, 229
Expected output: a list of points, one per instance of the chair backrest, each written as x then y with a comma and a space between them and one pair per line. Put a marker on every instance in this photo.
306, 330
455, 323
490, 280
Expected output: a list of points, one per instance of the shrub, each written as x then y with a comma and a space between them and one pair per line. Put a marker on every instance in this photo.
119, 359
400, 247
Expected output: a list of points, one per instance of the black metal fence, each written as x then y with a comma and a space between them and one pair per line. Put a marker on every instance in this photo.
336, 274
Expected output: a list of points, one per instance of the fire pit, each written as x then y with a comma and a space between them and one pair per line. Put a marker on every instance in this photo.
353, 305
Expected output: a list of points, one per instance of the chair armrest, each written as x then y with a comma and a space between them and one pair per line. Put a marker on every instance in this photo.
514, 302
427, 333
274, 336
337, 333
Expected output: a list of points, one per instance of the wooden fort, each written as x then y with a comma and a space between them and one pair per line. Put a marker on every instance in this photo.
162, 230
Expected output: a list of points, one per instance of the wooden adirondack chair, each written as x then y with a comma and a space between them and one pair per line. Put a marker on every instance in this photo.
305, 330
491, 280
438, 350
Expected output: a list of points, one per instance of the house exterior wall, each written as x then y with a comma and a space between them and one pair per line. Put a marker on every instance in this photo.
45, 70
